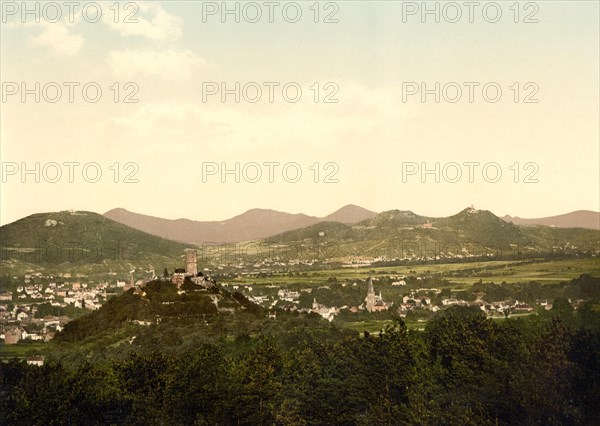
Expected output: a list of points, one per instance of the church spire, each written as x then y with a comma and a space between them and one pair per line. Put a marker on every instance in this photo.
370, 299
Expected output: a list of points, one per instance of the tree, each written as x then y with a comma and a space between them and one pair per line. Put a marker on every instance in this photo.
446, 293
544, 389
469, 369
195, 390
143, 379
166, 273
562, 307
256, 379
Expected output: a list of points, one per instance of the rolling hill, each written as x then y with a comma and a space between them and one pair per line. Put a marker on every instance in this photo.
406, 235
350, 214
482, 226
80, 237
252, 225
577, 219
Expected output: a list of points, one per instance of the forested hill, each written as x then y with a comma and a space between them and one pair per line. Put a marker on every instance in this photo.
158, 301
80, 237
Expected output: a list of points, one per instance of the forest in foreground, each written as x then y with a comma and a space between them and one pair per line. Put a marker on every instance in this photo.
463, 369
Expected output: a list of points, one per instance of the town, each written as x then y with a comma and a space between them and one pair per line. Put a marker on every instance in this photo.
40, 305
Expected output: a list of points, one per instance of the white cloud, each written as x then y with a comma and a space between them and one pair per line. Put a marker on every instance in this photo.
168, 64
160, 123
58, 37
153, 22
264, 130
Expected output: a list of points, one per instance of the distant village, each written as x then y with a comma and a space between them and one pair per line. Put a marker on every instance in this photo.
35, 312
415, 300
21, 316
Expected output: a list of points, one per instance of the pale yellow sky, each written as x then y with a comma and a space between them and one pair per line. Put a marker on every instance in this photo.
368, 134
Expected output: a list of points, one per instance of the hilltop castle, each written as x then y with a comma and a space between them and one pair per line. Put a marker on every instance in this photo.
191, 272
191, 263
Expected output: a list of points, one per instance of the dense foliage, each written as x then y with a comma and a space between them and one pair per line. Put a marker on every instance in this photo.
463, 369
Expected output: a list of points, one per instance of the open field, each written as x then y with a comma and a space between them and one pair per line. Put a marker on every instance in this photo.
373, 326
460, 274
21, 350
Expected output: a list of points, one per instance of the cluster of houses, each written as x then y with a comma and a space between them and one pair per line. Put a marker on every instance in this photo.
415, 300
289, 300
18, 309
419, 299
19, 322
64, 294
62, 290
24, 326
326, 312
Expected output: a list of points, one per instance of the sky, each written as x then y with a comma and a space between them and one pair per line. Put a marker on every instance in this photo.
374, 104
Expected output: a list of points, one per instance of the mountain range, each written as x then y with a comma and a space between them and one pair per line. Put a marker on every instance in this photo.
259, 224
254, 224
404, 234
81, 238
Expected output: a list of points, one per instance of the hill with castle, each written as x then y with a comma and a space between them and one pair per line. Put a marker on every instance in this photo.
185, 295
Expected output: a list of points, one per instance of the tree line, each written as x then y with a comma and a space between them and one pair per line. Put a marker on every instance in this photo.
463, 369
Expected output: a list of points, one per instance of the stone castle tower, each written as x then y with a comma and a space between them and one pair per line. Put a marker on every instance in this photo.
191, 266
370, 299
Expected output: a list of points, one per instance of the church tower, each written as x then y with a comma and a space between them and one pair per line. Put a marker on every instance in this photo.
370, 299
191, 267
